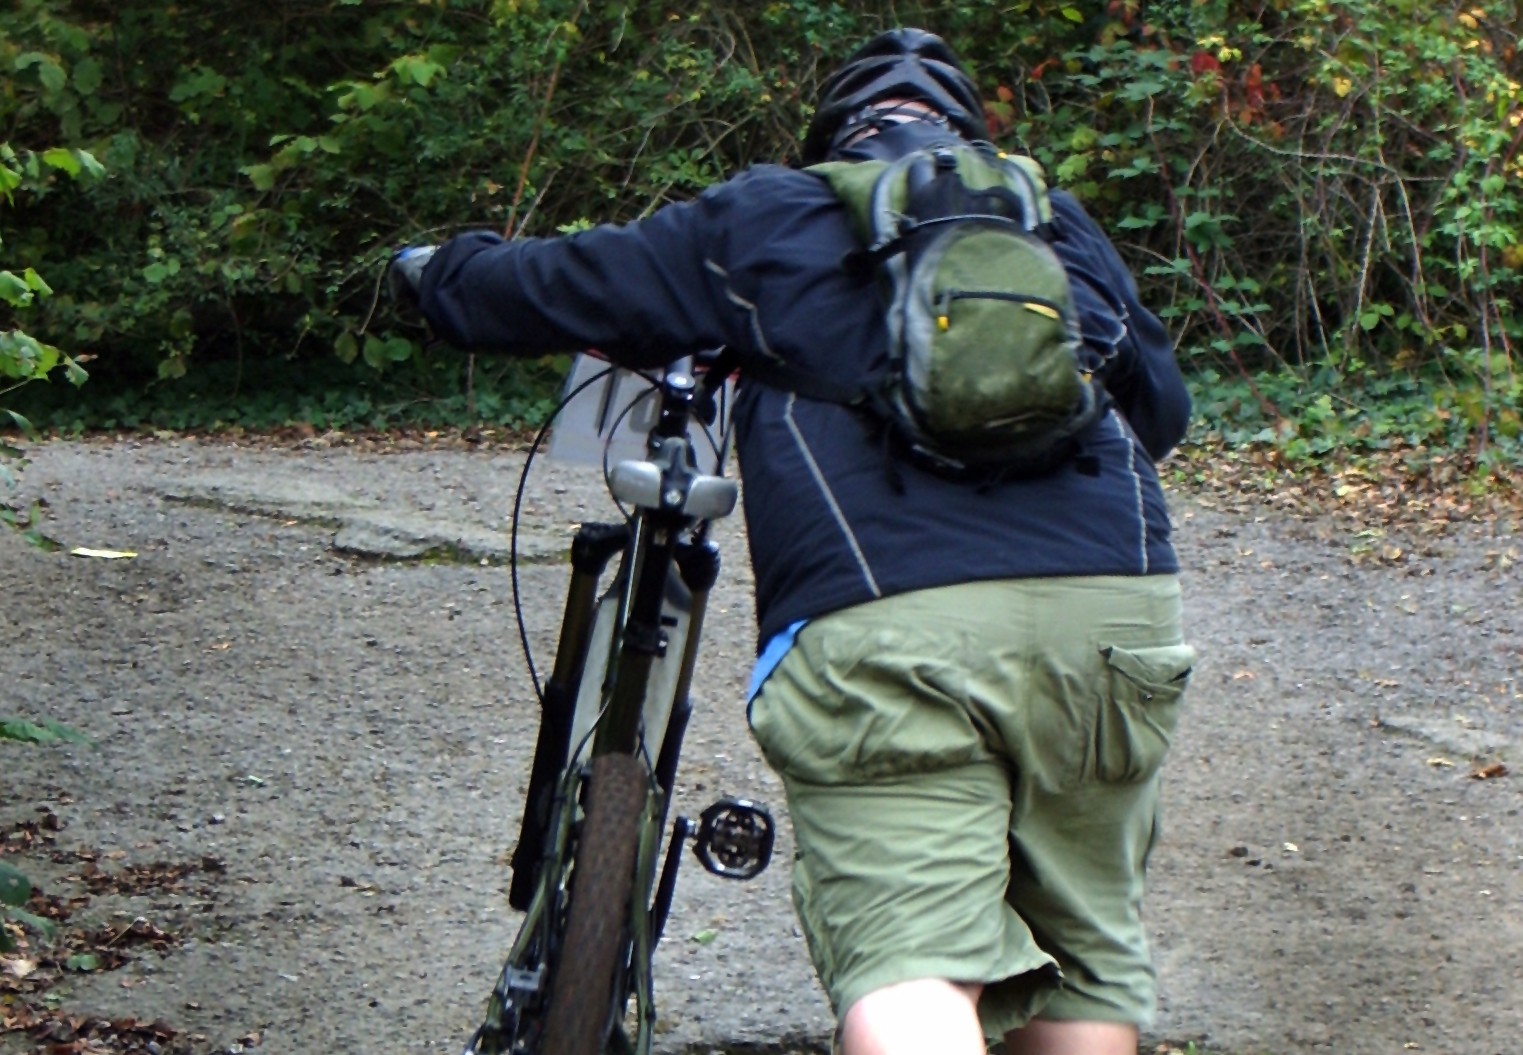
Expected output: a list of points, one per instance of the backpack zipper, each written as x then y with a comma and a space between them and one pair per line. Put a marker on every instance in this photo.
1037, 304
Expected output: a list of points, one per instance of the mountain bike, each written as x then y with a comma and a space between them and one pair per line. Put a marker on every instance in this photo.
590, 872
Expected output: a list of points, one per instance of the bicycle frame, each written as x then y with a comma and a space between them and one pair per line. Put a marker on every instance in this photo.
620, 687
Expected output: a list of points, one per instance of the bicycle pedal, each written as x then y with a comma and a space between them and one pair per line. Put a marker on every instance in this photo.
735, 839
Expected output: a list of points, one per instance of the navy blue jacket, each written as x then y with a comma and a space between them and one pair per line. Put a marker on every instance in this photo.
753, 264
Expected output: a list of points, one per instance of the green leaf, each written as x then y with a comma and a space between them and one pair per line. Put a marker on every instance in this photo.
15, 888
1179, 266
1072, 168
82, 961
43, 732
44, 358
262, 176
46, 927
346, 347
35, 283
378, 353
76, 374
52, 76
87, 76
14, 290
61, 159
1073, 14
417, 69
88, 162
1142, 88
375, 353
201, 83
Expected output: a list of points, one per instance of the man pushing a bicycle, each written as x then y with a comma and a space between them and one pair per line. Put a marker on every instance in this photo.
971, 655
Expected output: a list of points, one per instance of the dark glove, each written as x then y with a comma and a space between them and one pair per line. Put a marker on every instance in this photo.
404, 273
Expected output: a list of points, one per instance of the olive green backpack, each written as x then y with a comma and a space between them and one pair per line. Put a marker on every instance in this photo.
984, 372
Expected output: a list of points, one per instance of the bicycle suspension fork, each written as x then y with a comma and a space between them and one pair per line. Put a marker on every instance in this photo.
594, 546
699, 567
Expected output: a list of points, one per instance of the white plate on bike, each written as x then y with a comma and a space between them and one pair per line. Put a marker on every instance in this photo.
606, 422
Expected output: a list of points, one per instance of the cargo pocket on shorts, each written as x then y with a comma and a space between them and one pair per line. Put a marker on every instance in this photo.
1140, 711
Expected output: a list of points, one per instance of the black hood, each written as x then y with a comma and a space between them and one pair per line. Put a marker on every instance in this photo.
895, 142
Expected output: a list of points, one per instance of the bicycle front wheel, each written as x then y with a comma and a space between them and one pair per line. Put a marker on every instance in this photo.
587, 984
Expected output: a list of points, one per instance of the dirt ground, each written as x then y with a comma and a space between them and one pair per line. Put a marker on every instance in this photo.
290, 833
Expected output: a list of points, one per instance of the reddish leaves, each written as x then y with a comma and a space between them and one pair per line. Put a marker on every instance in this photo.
61, 1034
26, 980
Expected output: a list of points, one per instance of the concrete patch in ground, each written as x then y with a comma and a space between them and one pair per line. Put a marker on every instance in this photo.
366, 529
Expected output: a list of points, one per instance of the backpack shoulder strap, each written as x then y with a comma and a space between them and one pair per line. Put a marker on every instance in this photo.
853, 183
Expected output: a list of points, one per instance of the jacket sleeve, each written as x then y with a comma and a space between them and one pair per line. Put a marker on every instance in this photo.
640, 293
1143, 377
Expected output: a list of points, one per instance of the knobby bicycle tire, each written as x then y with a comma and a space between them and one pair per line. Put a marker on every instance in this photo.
594, 956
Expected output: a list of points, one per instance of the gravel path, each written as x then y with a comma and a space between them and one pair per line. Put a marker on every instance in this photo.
321, 755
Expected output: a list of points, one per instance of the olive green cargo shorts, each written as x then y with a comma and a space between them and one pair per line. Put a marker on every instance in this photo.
972, 777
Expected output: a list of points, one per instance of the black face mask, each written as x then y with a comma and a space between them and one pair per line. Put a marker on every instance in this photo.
896, 142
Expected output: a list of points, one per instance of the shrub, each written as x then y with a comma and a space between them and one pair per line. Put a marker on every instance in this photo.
1325, 188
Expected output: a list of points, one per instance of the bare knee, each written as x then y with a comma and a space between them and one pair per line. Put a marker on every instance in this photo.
915, 1017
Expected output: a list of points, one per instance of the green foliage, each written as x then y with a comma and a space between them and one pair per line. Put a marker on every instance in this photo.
27, 522
1329, 418
24, 358
15, 888
437, 389
1327, 188
15, 892
43, 732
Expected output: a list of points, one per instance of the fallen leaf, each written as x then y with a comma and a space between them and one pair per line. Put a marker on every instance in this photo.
1491, 772
19, 968
1440, 763
103, 554
705, 937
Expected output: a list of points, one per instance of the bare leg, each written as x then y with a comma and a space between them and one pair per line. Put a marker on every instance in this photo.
1048, 1037
914, 1018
